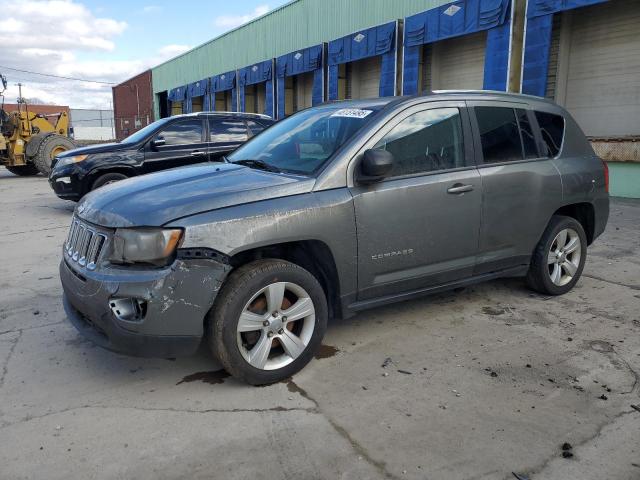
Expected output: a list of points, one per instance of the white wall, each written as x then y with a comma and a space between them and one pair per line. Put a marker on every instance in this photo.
92, 124
93, 133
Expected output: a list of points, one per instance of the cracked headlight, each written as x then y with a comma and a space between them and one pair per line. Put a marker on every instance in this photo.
155, 246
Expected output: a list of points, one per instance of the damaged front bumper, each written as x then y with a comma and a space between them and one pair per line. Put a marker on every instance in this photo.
143, 312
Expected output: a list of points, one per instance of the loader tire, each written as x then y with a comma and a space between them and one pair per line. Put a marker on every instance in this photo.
49, 148
27, 170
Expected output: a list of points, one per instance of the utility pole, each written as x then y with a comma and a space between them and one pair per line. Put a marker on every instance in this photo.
518, 14
20, 100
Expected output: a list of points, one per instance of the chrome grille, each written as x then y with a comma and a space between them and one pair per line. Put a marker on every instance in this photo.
84, 244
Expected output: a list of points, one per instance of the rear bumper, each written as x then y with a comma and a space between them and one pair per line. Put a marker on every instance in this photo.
175, 301
601, 215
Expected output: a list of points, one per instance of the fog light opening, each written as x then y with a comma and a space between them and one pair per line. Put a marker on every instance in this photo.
128, 309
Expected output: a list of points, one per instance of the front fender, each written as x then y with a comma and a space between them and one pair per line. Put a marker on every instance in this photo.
326, 216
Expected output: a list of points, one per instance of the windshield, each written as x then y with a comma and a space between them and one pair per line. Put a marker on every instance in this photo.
303, 142
142, 133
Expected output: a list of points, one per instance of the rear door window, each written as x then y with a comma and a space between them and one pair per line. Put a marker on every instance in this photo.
552, 132
499, 134
227, 130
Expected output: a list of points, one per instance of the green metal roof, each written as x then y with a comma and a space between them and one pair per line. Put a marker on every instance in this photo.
295, 25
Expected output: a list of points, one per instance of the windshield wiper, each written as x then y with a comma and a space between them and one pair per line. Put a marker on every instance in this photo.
259, 164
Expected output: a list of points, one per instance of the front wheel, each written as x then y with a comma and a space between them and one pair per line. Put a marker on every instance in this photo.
107, 179
558, 260
268, 321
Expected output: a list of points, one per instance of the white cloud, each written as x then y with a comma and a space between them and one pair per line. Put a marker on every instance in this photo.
151, 9
48, 36
232, 21
58, 24
73, 93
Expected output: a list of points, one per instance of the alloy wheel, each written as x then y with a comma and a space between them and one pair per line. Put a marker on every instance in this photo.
564, 256
276, 326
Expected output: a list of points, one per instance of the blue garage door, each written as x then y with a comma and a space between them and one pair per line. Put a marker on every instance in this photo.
454, 20
537, 41
195, 96
377, 44
176, 98
256, 88
223, 93
308, 60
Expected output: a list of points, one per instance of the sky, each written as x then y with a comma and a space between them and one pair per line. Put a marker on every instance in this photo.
104, 40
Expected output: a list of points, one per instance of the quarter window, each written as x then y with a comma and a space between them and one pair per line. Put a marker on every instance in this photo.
499, 134
426, 141
227, 131
552, 132
183, 133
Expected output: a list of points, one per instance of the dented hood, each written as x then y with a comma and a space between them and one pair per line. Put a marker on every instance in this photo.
156, 199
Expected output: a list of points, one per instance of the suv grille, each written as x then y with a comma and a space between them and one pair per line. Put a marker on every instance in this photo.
84, 244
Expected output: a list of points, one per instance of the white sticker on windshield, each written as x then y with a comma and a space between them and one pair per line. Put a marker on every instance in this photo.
351, 113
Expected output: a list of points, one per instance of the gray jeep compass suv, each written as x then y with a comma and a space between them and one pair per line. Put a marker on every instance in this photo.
335, 209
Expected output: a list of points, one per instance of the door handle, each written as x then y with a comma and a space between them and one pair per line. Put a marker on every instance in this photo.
198, 153
458, 188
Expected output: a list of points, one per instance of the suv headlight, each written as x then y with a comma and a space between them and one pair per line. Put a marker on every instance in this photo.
155, 246
69, 160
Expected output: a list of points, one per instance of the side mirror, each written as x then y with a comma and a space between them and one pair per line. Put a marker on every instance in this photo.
375, 165
157, 142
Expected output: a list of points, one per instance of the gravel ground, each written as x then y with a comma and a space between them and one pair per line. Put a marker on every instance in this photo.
476, 384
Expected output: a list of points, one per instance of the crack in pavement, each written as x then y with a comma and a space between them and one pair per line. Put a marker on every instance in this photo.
5, 365
160, 409
636, 377
538, 469
378, 465
20, 330
632, 287
33, 231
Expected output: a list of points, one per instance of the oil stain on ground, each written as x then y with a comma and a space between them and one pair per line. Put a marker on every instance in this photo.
212, 378
326, 351
218, 376
493, 311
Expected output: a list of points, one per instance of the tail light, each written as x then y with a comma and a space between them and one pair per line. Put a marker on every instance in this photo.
606, 176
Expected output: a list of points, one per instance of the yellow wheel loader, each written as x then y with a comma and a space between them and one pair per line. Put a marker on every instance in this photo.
29, 141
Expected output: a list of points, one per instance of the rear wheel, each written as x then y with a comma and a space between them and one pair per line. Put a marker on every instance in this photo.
23, 170
268, 321
51, 146
559, 257
106, 179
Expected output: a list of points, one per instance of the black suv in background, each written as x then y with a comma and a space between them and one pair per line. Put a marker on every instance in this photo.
168, 143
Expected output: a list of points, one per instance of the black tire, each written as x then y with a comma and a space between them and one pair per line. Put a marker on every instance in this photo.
103, 180
27, 170
239, 288
539, 276
47, 150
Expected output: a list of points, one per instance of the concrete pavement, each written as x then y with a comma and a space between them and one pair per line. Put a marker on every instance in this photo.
479, 383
